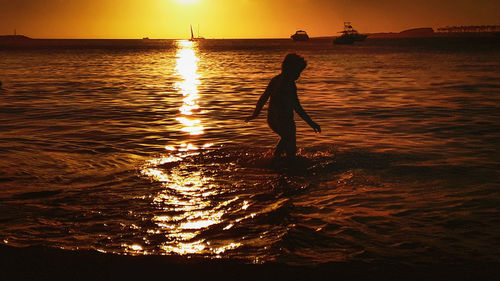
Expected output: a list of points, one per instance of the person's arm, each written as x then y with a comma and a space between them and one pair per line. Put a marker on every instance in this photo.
303, 114
262, 100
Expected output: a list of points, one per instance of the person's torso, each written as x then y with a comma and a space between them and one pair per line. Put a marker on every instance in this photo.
282, 99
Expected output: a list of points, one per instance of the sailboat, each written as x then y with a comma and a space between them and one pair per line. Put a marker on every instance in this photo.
197, 37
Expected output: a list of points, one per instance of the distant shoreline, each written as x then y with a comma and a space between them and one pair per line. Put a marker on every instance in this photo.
381, 35
482, 42
410, 33
14, 37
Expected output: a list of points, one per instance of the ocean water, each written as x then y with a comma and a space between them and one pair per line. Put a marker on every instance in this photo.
139, 147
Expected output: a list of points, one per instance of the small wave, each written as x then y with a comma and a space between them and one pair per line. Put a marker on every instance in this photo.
37, 194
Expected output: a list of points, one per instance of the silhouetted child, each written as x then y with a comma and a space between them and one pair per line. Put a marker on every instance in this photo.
284, 101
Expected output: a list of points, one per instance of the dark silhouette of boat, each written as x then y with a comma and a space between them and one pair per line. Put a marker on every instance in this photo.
349, 35
197, 38
300, 35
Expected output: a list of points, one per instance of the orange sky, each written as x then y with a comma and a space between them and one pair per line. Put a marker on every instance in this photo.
233, 18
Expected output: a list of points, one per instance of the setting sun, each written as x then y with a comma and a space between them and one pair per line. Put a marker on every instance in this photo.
170, 19
249, 140
186, 2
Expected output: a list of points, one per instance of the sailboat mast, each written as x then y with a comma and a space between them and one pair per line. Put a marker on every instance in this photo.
192, 35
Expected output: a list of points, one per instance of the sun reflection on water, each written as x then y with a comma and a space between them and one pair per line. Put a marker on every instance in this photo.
187, 70
184, 208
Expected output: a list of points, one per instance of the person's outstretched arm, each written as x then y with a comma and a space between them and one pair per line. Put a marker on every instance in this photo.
262, 100
303, 114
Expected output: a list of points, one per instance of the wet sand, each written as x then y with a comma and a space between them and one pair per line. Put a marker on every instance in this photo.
42, 263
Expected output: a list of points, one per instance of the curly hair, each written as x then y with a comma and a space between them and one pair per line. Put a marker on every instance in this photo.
293, 62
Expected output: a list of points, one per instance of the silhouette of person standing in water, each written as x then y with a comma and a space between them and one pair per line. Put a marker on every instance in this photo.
284, 100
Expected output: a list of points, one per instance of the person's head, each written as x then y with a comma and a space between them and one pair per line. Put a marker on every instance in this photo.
293, 65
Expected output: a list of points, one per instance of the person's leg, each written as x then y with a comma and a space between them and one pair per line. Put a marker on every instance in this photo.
291, 146
291, 142
287, 143
280, 148
278, 128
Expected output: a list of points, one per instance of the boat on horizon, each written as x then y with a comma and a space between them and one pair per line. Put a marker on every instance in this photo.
300, 35
197, 38
349, 35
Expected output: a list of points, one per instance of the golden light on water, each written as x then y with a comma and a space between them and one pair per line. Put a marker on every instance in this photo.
187, 147
184, 205
186, 199
186, 68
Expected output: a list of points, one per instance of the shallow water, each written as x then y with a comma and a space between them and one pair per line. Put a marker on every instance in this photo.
142, 149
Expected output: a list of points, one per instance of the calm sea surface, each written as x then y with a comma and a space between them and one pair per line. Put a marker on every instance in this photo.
139, 147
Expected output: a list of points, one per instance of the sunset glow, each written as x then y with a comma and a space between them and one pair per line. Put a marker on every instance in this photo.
249, 139
186, 2
231, 18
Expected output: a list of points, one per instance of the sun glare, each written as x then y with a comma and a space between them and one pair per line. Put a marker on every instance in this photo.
186, 2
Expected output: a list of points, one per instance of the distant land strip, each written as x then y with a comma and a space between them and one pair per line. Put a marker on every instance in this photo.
421, 32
